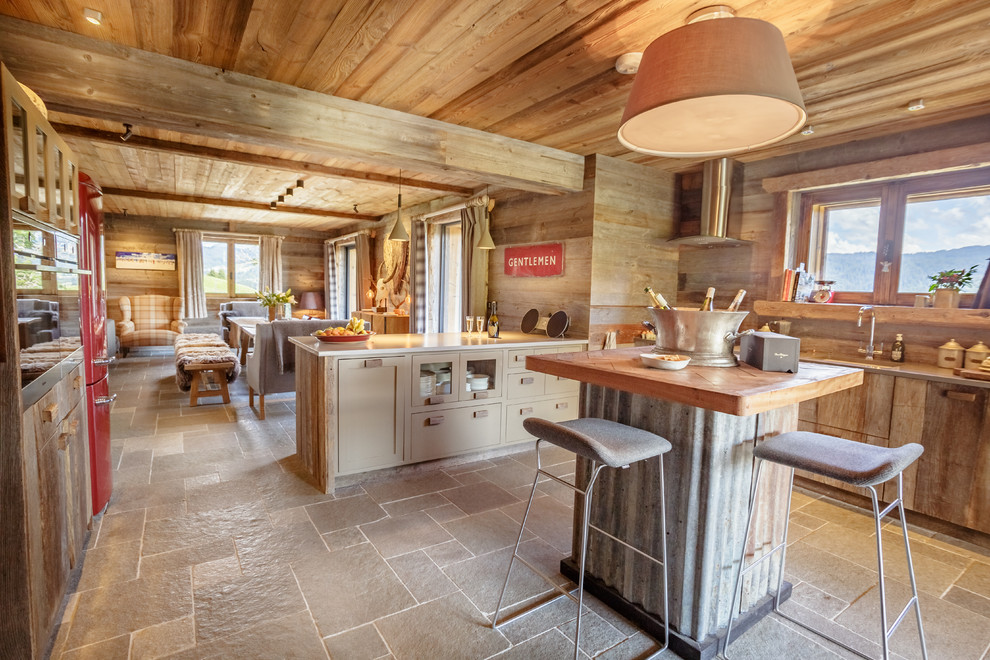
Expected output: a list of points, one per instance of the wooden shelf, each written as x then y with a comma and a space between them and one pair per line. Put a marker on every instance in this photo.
957, 318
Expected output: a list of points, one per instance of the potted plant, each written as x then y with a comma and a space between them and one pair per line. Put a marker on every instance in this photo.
947, 283
276, 302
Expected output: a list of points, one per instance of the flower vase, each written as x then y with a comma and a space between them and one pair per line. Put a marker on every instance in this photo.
272, 312
946, 298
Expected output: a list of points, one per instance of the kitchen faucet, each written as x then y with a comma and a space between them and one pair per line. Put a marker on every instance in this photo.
869, 350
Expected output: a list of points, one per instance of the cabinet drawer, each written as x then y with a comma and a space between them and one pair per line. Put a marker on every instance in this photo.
517, 359
525, 384
558, 385
554, 410
453, 431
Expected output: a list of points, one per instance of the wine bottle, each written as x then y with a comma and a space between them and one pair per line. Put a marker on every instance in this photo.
493, 323
657, 299
897, 350
734, 305
707, 305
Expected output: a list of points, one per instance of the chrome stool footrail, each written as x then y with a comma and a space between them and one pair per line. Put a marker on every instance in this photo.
855, 463
605, 444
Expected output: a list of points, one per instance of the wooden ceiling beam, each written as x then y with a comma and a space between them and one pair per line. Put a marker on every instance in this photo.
237, 203
256, 160
80, 75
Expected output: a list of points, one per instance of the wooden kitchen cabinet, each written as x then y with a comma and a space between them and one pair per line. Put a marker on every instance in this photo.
534, 394
452, 431
371, 412
952, 480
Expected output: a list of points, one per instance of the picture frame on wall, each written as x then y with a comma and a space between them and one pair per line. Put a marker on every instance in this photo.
144, 261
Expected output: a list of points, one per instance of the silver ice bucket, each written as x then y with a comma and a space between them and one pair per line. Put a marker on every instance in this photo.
707, 337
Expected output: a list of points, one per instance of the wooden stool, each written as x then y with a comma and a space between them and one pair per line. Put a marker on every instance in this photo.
857, 464
606, 444
198, 371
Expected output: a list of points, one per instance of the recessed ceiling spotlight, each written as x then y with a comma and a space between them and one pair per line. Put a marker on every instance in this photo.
274, 205
917, 104
628, 63
808, 130
288, 191
93, 16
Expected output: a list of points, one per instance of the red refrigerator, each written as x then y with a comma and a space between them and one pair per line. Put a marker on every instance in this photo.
92, 321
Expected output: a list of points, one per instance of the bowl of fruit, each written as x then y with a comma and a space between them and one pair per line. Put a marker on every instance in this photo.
354, 331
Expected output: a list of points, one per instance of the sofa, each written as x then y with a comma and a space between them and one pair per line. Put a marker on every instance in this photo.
46, 327
271, 367
149, 320
239, 308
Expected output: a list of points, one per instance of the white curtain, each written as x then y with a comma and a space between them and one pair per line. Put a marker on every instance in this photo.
331, 288
270, 266
189, 246
418, 284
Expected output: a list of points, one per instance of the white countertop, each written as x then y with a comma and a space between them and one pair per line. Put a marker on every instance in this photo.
425, 343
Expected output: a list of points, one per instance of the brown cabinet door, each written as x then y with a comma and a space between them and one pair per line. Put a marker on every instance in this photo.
953, 476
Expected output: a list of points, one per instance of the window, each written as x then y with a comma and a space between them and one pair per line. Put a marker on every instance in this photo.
351, 294
880, 242
230, 267
449, 300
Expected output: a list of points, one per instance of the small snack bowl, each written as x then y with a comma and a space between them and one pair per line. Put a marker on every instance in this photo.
341, 339
668, 362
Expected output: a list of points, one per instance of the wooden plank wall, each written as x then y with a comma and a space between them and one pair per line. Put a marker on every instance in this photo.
613, 235
302, 258
634, 217
529, 219
756, 267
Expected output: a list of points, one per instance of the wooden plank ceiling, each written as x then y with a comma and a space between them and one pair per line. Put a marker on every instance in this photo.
541, 71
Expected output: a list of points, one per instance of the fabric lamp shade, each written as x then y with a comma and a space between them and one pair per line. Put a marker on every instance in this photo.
311, 300
712, 88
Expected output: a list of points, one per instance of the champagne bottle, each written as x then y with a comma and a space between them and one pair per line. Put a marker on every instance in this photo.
657, 299
707, 306
734, 305
493, 323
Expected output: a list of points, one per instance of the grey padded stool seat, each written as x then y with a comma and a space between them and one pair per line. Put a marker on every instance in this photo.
606, 444
857, 464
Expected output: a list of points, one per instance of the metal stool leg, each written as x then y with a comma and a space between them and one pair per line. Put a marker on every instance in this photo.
910, 563
585, 527
522, 529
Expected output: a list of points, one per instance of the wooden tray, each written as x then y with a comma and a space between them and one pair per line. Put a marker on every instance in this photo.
975, 374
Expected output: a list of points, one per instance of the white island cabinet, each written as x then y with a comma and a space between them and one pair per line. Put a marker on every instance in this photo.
400, 399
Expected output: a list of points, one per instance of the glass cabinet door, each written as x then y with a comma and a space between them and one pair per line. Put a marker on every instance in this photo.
481, 374
435, 379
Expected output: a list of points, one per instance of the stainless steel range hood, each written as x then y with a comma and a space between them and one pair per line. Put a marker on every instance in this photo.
716, 192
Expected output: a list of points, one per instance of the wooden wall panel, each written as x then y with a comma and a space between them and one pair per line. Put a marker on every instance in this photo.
302, 259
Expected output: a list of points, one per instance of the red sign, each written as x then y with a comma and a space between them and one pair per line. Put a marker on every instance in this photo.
544, 260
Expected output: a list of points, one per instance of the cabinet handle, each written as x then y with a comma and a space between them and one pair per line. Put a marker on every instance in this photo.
50, 412
519, 358
434, 400
525, 411
63, 441
960, 396
77, 382
434, 421
528, 380
377, 362
105, 400
102, 362
480, 413
481, 395
562, 405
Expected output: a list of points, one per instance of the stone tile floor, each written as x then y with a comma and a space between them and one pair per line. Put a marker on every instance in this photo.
214, 546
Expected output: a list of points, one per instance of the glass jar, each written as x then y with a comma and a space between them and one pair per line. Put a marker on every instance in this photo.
823, 291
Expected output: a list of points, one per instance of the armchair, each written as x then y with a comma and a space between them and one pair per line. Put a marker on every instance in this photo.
149, 321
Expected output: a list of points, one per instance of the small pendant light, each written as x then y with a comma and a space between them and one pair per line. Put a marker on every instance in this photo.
399, 232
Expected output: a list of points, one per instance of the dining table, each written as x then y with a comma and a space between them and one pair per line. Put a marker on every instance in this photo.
242, 331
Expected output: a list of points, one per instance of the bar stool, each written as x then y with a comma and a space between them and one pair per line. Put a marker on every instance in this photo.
605, 444
854, 463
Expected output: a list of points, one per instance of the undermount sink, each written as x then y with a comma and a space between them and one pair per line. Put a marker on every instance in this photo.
862, 364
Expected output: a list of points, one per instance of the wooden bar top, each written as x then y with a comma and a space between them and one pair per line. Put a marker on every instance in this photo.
742, 390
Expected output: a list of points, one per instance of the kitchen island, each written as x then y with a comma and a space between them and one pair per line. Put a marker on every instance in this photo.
711, 416
398, 399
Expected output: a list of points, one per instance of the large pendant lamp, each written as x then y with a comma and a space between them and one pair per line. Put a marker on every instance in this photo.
716, 86
399, 232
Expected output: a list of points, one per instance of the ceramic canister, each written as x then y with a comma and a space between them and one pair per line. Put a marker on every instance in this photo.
975, 355
950, 354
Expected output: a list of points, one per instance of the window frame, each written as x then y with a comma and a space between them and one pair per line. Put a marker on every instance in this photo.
893, 197
231, 243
